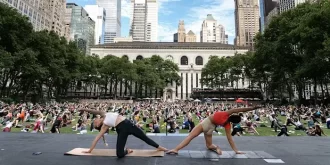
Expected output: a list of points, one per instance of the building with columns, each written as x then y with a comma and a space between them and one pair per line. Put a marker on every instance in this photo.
190, 57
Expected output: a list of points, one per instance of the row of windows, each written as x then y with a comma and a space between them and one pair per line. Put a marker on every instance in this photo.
183, 61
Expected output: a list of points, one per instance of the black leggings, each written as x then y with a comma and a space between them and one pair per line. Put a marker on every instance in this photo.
126, 128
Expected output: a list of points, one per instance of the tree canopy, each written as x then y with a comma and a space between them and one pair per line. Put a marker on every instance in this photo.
42, 65
291, 53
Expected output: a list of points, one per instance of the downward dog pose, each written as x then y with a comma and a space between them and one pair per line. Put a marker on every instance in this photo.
124, 128
223, 118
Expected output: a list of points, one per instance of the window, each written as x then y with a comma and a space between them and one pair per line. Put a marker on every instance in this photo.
169, 57
126, 57
199, 60
184, 60
139, 57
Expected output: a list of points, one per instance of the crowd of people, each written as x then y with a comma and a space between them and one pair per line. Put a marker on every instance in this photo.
153, 117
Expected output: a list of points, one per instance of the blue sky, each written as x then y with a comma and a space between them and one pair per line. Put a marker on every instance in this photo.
193, 12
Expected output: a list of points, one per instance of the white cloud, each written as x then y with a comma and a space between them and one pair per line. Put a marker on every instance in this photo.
166, 31
162, 9
222, 11
125, 8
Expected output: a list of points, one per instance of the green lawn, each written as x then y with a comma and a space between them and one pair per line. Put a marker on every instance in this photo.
263, 131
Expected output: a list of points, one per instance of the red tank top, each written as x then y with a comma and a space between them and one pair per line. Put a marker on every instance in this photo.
219, 118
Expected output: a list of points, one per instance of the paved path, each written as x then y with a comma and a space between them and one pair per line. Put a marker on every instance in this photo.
18, 149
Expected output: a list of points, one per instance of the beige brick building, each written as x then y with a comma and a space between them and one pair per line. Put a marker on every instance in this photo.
43, 14
57, 10
181, 35
246, 22
190, 37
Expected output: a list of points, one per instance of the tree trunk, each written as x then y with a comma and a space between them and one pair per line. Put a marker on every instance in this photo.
321, 83
315, 92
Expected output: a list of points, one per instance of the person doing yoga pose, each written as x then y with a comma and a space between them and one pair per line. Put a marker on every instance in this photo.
207, 126
124, 128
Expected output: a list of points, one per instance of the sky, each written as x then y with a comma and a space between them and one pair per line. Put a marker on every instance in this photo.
193, 12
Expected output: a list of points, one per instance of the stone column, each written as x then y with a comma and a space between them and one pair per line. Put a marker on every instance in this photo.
173, 95
164, 95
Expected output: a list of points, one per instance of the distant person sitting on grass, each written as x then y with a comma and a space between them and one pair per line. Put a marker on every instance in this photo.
154, 126
318, 131
8, 126
328, 122
57, 125
298, 125
284, 131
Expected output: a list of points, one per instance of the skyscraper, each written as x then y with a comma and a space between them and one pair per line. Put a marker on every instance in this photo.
212, 32
38, 13
97, 14
285, 5
81, 27
266, 7
144, 20
57, 10
112, 19
246, 22
181, 32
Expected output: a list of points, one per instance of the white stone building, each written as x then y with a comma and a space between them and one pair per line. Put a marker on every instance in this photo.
112, 19
144, 20
123, 39
285, 5
38, 12
97, 14
190, 57
212, 32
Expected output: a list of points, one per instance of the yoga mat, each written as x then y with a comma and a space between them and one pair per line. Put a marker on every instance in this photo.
112, 152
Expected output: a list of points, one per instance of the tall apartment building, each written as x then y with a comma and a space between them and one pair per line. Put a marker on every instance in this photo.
246, 22
57, 10
43, 14
98, 15
67, 23
144, 20
112, 19
212, 32
37, 11
81, 27
285, 5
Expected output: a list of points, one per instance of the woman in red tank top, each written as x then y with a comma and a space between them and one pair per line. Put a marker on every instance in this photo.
222, 118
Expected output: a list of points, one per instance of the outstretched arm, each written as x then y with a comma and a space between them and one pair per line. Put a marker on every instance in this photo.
105, 142
95, 112
231, 141
238, 110
97, 138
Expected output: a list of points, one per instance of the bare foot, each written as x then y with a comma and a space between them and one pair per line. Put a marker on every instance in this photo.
217, 150
129, 150
172, 152
160, 148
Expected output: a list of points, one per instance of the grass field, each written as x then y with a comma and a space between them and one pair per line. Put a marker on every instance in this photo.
263, 131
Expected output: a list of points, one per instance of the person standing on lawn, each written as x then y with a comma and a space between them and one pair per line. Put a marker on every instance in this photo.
222, 118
